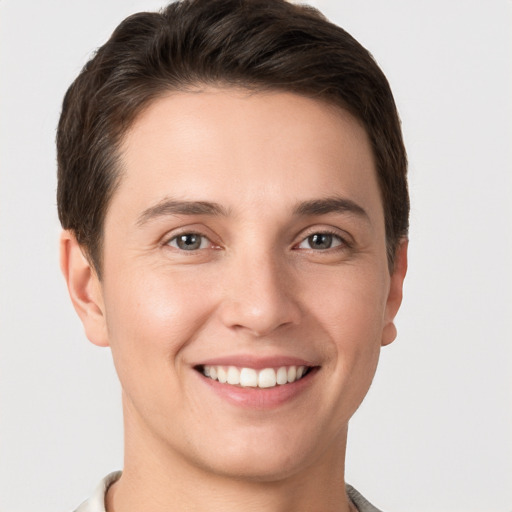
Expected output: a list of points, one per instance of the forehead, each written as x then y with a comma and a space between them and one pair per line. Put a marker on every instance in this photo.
244, 148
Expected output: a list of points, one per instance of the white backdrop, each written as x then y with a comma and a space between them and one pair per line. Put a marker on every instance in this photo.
435, 433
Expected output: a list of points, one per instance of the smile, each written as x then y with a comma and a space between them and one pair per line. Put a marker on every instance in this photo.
252, 378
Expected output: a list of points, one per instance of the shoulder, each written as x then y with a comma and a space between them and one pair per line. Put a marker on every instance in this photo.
96, 503
362, 504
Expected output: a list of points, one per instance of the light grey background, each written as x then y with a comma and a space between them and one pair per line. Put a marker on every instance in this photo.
435, 433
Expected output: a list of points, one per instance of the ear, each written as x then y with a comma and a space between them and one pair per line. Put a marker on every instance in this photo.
395, 293
84, 288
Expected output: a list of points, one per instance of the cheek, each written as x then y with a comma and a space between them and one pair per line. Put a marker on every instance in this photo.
151, 318
352, 315
351, 305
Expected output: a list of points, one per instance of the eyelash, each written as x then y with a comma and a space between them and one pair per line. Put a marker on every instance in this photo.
340, 242
341, 245
176, 238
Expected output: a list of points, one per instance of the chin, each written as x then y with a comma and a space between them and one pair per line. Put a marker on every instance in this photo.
260, 456
257, 469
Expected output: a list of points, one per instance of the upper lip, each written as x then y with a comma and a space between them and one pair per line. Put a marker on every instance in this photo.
258, 363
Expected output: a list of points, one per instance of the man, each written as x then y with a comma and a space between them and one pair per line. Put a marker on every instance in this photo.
232, 188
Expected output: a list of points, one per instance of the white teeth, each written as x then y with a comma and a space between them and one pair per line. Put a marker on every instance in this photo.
282, 376
222, 375
249, 377
233, 375
267, 378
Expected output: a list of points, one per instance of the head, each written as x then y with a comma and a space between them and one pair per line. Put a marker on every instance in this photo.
234, 173
258, 45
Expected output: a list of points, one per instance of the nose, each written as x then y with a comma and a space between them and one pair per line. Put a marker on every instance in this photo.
260, 295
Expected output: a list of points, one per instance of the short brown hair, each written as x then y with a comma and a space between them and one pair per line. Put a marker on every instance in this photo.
254, 44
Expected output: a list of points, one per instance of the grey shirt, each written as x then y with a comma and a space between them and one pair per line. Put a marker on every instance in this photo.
96, 503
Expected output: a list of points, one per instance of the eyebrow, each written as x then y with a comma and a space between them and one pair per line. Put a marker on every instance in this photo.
174, 207
330, 205
169, 206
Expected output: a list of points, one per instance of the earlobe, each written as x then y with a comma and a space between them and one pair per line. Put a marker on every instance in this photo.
395, 293
84, 289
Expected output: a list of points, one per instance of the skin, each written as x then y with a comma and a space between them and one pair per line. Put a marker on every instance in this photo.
256, 286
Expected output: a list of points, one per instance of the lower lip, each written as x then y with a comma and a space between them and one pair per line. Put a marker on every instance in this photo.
260, 398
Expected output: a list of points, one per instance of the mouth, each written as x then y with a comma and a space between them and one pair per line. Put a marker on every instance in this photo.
246, 377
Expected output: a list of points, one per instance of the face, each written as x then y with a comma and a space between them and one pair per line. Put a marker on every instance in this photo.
245, 291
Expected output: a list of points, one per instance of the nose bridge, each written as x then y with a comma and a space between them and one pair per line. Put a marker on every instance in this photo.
259, 295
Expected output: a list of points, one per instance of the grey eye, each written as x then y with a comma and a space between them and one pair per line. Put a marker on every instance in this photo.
320, 241
189, 242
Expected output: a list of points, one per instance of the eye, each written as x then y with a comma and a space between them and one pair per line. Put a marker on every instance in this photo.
189, 242
321, 241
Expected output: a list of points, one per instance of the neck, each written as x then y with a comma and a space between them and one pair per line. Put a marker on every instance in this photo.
157, 479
